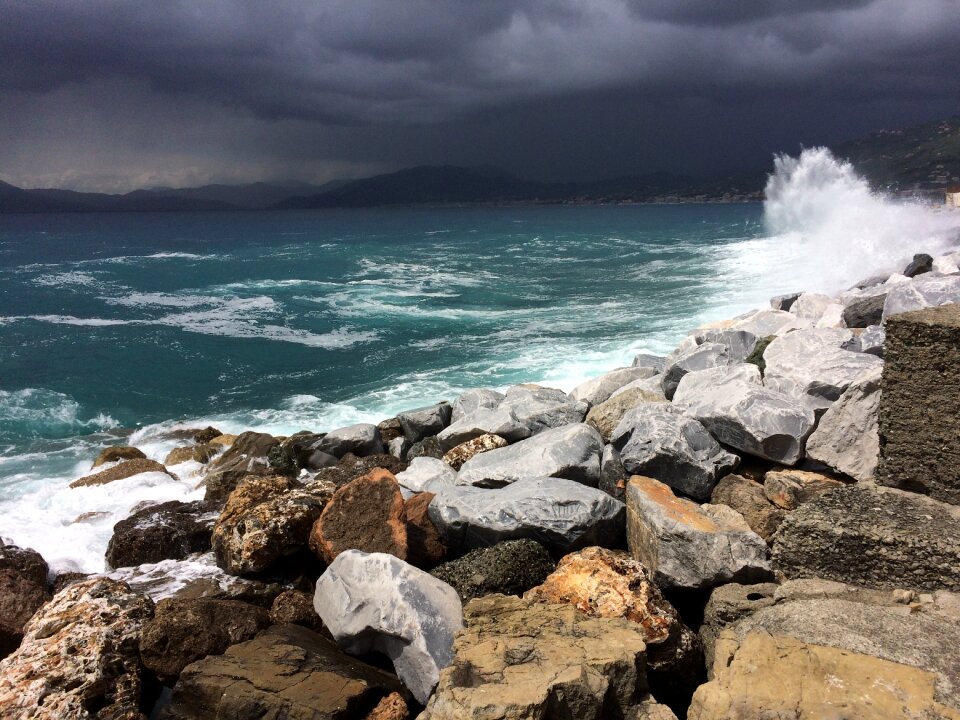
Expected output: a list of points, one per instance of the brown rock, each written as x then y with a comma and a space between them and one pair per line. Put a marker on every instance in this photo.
425, 547
198, 453
295, 607
225, 440
168, 531
350, 467
606, 416
747, 498
390, 430
202, 437
23, 590
392, 707
789, 489
365, 514
117, 452
248, 455
125, 469
456, 457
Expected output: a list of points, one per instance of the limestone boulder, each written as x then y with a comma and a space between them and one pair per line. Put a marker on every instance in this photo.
500, 421
540, 408
377, 602
247, 455
599, 389
748, 498
659, 440
689, 546
698, 381
561, 514
509, 568
456, 457
789, 489
713, 348
115, 453
570, 451
607, 415
811, 306
472, 400
873, 340
655, 362
771, 322
424, 422
424, 474
784, 302
78, 658
931, 290
121, 471
360, 440
652, 390
23, 590
168, 531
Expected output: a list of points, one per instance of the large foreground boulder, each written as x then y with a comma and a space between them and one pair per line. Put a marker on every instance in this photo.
923, 292
561, 514
376, 602
689, 546
872, 536
168, 531
510, 568
23, 590
78, 658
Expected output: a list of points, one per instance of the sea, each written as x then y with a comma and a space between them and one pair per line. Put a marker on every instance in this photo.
119, 328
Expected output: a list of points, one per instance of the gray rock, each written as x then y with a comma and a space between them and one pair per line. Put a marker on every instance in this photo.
561, 514
948, 264
471, 400
658, 440
570, 451
764, 323
607, 415
362, 439
613, 476
599, 389
700, 380
872, 536
847, 437
494, 421
751, 418
646, 360
428, 447
705, 355
811, 306
784, 302
511, 567
376, 602
813, 366
690, 546
398, 447
649, 386
872, 340
423, 422
425, 474
864, 311
540, 408
921, 263
931, 290
728, 604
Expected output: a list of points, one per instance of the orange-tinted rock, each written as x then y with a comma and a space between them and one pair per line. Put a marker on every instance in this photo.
392, 707
366, 514
117, 452
789, 489
126, 469
425, 547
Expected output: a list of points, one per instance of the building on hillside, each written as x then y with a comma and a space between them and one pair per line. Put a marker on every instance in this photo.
952, 196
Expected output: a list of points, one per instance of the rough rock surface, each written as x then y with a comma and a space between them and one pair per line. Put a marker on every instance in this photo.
351, 467
789, 489
698, 381
613, 476
872, 536
247, 455
456, 457
190, 453
610, 584
168, 531
425, 547
183, 631
847, 437
599, 389
361, 439
287, 672
265, 519
500, 421
428, 447
920, 404
365, 514
23, 589
747, 498
295, 607
423, 422
873, 340
660, 441
510, 568
376, 602
571, 452
540, 408
864, 311
425, 474
784, 302
921, 263
650, 386
690, 546
726, 606
924, 292
471, 400
811, 306
78, 658
771, 322
607, 415
121, 471
655, 362
562, 514
712, 349
520, 659
118, 452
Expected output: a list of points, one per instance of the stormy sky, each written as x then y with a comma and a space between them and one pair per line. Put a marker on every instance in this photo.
118, 94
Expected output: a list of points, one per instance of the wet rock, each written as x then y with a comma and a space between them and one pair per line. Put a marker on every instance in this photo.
727, 605
377, 602
23, 590
561, 514
599, 389
660, 441
571, 452
287, 672
351, 467
500, 421
121, 471
921, 263
118, 452
425, 547
864, 311
789, 489
472, 400
923, 292
540, 408
183, 631
607, 415
225, 440
456, 457
522, 659
361, 439
202, 437
365, 514
872, 536
295, 607
748, 498
168, 531
690, 546
511, 568
191, 453
78, 658
247, 455
613, 476
68, 578
425, 474
423, 422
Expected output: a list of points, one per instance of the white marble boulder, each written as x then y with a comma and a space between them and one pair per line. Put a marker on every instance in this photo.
426, 474
376, 602
929, 290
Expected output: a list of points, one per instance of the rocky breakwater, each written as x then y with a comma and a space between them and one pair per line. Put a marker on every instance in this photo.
763, 523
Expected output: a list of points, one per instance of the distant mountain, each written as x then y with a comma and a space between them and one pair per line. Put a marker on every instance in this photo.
254, 196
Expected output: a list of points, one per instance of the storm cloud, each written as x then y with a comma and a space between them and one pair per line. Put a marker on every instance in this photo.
109, 95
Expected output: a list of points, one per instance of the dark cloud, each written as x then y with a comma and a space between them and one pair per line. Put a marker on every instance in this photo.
237, 88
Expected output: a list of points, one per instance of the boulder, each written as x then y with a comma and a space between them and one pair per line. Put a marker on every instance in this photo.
607, 415
540, 408
652, 390
813, 366
295, 607
521, 659
121, 471
613, 476
599, 389
185, 630
299, 447
771, 322
78, 658
350, 467
500, 421
510, 568
168, 531
570, 451
714, 348
832, 317
191, 453
472, 400
456, 457
425, 548
698, 381
23, 590
656, 362
365, 514
247, 455
872, 340
561, 514
660, 441
224, 440
377, 602
847, 437
921, 263
923, 292
392, 707
205, 435
361, 439
398, 447
728, 604
424, 474
115, 453
872, 536
428, 447
946, 264
264, 520
864, 311
690, 546
610, 584
784, 302
747, 498
390, 430
286, 672
789, 489
426, 421
811, 306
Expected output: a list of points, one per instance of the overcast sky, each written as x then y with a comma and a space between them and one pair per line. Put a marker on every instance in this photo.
113, 95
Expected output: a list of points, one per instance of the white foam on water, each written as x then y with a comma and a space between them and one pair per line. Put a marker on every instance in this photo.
66, 320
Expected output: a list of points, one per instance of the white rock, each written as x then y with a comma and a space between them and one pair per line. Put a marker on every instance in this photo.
425, 474
598, 389
471, 400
